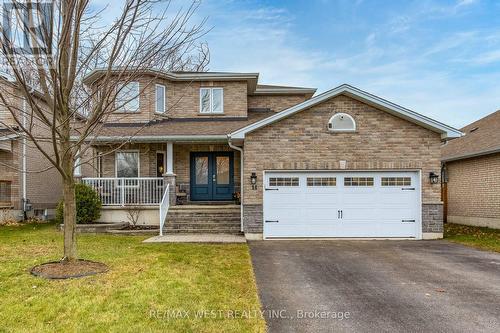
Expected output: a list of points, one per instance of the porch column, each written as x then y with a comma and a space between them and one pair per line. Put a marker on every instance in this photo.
170, 158
169, 176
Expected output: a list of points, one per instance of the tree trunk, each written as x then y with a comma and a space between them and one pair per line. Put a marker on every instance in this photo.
70, 253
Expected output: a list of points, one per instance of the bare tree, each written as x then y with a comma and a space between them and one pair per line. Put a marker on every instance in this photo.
77, 66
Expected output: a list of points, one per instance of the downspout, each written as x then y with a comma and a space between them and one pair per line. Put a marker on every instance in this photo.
25, 191
241, 176
24, 161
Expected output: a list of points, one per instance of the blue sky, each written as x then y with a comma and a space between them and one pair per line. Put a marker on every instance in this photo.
440, 58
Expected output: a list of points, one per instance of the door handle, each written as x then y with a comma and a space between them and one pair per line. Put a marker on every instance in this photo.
214, 179
407, 220
408, 189
272, 189
340, 214
271, 221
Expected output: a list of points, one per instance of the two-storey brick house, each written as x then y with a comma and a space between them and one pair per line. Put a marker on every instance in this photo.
29, 185
342, 164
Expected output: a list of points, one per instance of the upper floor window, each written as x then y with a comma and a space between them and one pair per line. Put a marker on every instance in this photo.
211, 100
127, 98
160, 98
342, 122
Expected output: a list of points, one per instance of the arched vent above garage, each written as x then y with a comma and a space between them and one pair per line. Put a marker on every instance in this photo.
342, 122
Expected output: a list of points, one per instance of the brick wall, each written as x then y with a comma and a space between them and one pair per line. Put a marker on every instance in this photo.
303, 142
183, 100
274, 102
474, 187
43, 182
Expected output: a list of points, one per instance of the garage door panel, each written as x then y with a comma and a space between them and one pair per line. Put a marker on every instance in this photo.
312, 208
322, 199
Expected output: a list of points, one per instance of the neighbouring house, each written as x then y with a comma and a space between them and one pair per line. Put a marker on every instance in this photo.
471, 174
269, 161
29, 185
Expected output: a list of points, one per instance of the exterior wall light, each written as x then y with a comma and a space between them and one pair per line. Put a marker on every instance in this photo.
434, 178
253, 180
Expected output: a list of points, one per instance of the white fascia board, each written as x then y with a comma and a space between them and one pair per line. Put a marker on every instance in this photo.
471, 155
153, 138
446, 131
274, 91
185, 76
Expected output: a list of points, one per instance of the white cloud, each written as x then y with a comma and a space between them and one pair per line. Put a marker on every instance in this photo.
466, 2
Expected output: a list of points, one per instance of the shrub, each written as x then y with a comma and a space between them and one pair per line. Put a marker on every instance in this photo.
88, 205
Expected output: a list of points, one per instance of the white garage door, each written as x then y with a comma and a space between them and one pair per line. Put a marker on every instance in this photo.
341, 204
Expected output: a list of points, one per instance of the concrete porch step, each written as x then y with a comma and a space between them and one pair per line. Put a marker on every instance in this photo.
185, 220
204, 231
204, 223
203, 216
222, 218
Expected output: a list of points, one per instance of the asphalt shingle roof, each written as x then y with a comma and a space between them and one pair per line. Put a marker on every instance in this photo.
480, 137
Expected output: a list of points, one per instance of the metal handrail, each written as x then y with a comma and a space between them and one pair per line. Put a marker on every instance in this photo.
164, 206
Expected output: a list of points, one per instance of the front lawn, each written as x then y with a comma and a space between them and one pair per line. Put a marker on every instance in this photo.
150, 287
482, 238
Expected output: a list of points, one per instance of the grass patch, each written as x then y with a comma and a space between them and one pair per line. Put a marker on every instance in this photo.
479, 237
144, 281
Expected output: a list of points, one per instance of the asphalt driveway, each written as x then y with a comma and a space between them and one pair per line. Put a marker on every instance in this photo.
374, 286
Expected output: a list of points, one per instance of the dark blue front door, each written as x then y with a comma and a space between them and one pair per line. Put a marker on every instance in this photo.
212, 176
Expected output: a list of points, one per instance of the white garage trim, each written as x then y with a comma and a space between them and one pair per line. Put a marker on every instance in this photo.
321, 204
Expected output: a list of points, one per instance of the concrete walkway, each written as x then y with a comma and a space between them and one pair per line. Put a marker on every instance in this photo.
197, 238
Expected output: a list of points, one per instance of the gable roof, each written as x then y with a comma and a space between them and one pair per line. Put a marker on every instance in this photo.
481, 137
358, 94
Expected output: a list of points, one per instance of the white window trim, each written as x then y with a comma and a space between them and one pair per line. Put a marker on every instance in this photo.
211, 103
330, 123
138, 161
164, 98
164, 153
122, 107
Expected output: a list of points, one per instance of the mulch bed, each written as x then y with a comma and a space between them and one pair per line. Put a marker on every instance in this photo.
68, 270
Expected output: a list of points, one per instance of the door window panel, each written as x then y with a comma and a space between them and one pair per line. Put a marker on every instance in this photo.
160, 164
201, 169
222, 170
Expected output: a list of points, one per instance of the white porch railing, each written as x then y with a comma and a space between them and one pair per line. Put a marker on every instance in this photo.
128, 191
164, 205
